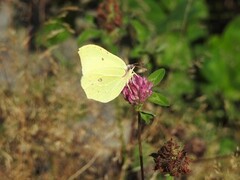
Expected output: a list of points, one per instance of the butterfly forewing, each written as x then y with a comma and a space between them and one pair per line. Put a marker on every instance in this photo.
95, 58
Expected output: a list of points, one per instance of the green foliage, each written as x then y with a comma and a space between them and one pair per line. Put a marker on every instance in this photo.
53, 32
168, 177
177, 52
227, 145
157, 76
147, 117
89, 34
140, 30
221, 68
156, 97
159, 99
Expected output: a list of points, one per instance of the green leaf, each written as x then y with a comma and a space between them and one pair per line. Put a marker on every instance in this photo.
159, 99
169, 177
157, 76
53, 32
147, 117
88, 35
141, 30
227, 145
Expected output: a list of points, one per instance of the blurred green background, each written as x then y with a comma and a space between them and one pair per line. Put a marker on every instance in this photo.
49, 130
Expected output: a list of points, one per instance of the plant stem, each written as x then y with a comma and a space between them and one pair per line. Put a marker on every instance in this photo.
140, 145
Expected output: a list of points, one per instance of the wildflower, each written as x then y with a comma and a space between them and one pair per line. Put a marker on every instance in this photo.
137, 90
109, 15
170, 160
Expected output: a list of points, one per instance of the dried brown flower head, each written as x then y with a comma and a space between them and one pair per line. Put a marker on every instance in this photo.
171, 160
109, 15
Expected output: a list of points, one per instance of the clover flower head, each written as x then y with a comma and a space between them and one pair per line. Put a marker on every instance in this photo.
137, 90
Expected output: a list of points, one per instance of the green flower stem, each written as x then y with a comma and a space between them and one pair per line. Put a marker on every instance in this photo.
140, 144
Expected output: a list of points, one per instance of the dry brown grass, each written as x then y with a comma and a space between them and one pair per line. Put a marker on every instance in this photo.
44, 130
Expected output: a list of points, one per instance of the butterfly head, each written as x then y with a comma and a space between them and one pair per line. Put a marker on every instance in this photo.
129, 71
130, 66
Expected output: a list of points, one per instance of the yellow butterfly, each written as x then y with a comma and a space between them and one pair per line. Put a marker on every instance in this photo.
104, 75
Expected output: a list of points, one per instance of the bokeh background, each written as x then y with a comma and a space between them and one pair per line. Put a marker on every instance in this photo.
49, 130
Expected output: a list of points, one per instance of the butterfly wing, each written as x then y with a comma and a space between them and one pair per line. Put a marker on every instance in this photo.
102, 88
103, 73
95, 58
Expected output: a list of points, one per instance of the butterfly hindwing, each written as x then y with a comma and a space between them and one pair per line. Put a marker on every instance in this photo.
102, 88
